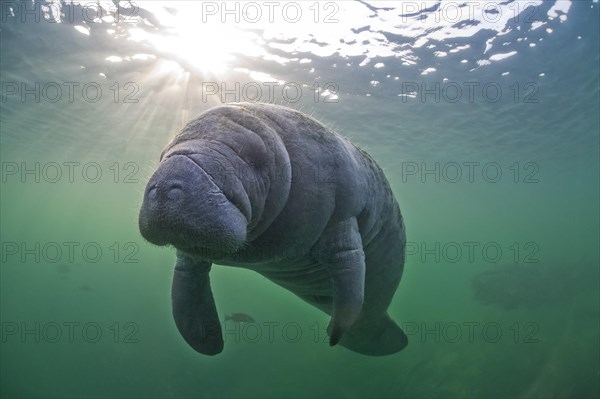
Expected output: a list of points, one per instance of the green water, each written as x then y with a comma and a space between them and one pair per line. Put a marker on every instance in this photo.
85, 302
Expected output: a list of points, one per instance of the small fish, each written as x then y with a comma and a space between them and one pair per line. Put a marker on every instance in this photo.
239, 318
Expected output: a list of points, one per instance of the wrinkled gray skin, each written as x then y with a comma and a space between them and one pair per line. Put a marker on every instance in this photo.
270, 189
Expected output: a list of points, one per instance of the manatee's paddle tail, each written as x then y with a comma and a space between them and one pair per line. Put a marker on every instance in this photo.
376, 336
194, 308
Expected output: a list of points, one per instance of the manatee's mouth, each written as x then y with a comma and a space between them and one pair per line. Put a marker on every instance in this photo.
184, 207
211, 252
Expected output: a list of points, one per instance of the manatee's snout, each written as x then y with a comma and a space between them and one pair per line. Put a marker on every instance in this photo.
183, 207
163, 201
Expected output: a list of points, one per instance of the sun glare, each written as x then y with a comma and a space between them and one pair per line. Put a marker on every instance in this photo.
209, 47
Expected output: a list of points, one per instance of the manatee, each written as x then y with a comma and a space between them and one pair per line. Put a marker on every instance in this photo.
270, 189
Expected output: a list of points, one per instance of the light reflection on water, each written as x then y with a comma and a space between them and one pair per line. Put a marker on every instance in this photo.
211, 37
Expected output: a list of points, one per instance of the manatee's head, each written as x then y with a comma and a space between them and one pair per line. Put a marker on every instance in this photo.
185, 207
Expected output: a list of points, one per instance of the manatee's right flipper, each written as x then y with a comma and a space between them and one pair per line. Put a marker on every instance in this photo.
340, 252
376, 337
194, 307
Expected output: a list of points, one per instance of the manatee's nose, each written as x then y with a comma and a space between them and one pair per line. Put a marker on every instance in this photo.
163, 203
165, 192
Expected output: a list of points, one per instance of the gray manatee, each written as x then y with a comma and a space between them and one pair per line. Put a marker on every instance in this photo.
270, 189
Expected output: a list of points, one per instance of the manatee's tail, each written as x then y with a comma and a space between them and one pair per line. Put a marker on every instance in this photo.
375, 337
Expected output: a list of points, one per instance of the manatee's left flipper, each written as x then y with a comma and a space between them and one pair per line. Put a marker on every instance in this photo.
341, 253
194, 308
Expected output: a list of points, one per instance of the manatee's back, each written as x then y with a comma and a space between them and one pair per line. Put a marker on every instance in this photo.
361, 186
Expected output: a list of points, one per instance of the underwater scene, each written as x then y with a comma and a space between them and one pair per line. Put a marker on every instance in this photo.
392, 199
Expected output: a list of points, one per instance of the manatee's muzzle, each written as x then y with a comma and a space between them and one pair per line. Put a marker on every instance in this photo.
183, 207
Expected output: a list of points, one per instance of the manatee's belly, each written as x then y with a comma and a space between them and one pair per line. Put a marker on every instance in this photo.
302, 275
304, 279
